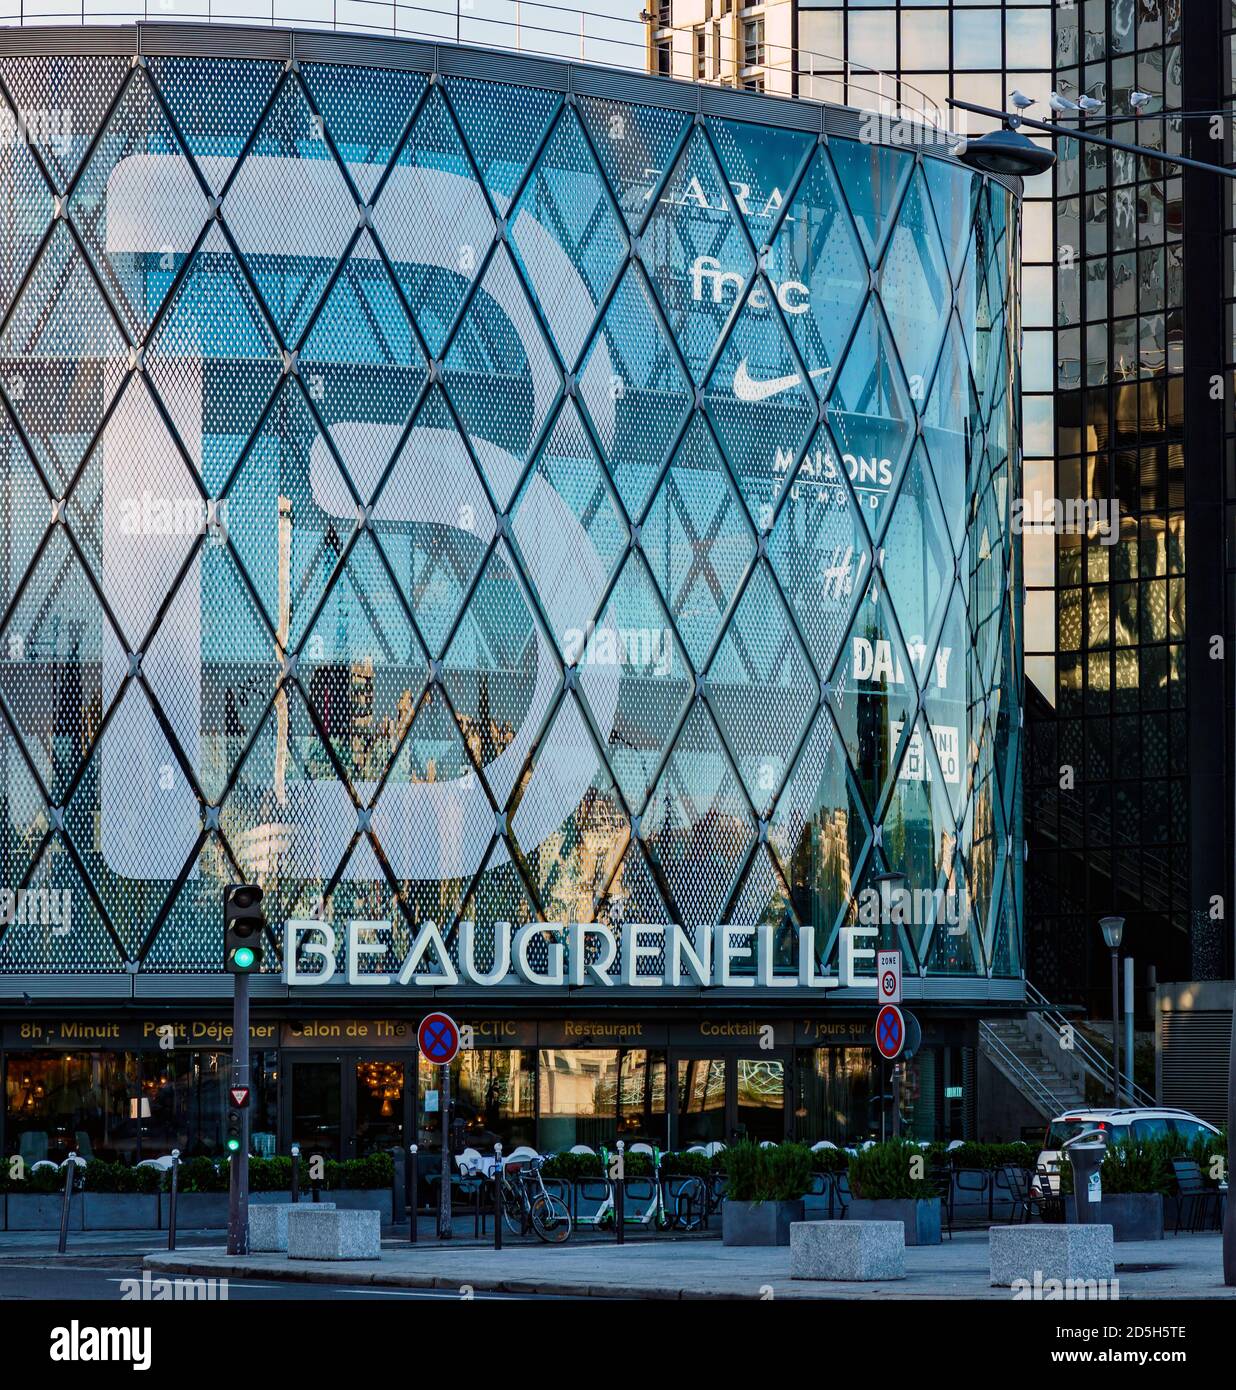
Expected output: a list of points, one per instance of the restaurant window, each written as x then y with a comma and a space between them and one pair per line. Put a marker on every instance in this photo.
493, 1093
641, 1098
836, 1099
579, 1093
128, 1106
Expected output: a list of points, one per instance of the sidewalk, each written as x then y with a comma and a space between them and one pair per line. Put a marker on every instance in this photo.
1178, 1267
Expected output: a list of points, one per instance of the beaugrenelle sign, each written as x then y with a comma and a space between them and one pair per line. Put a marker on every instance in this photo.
579, 955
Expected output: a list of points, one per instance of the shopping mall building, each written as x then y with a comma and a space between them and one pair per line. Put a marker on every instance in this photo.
550, 527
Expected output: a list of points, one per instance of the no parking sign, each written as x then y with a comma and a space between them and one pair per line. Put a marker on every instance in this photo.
890, 1032
438, 1039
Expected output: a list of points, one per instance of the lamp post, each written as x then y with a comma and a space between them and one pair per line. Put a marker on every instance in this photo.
1113, 930
975, 153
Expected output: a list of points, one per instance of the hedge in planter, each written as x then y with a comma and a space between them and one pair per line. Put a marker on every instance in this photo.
890, 1183
763, 1192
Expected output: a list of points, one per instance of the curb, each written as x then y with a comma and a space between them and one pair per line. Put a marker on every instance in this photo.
337, 1272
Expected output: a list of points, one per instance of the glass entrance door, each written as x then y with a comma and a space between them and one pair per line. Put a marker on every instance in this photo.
315, 1107
701, 1110
729, 1097
759, 1098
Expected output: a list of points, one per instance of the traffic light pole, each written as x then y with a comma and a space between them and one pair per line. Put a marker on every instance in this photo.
238, 1184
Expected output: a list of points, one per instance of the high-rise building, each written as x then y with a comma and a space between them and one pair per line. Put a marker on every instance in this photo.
1127, 377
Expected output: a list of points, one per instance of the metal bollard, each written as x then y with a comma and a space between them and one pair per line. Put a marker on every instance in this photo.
171, 1205
70, 1167
497, 1196
296, 1172
620, 1196
411, 1175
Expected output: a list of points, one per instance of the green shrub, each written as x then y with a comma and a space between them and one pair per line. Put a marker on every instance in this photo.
571, 1167
830, 1160
992, 1156
682, 1164
780, 1173
119, 1177
637, 1165
270, 1174
886, 1171
378, 1170
1134, 1165
201, 1175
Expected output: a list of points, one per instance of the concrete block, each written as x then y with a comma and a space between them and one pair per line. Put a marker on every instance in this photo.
319, 1233
848, 1250
1051, 1252
268, 1224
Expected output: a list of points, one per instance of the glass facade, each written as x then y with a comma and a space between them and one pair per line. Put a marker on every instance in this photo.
450, 500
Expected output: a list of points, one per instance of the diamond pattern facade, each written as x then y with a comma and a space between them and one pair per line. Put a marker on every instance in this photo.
445, 500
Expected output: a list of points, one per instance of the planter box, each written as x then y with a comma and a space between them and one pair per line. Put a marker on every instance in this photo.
1131, 1215
920, 1216
40, 1211
379, 1199
120, 1211
199, 1211
758, 1223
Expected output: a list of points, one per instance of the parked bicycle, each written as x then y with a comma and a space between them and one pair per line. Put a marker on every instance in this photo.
527, 1204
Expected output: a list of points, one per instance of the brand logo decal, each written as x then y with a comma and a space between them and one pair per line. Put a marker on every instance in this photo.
746, 388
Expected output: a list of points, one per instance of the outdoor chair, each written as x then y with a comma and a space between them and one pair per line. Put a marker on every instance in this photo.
841, 1186
1193, 1198
940, 1176
1016, 1181
1048, 1200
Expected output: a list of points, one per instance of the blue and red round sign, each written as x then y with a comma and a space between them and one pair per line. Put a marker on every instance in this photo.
890, 1032
438, 1038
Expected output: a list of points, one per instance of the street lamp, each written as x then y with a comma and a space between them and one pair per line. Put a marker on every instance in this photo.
1181, 162
1113, 930
1005, 152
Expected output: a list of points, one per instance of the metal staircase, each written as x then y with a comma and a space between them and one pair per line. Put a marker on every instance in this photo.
1049, 1060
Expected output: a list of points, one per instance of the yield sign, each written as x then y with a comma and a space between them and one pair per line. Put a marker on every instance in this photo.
240, 1096
890, 1031
438, 1038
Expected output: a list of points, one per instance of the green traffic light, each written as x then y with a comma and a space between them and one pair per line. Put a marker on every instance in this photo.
242, 957
233, 1144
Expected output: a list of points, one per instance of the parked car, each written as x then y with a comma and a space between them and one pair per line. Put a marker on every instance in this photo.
1117, 1125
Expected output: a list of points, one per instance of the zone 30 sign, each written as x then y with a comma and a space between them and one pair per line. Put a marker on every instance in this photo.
579, 955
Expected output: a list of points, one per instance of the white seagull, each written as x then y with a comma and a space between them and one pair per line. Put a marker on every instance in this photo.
1063, 105
1090, 104
1139, 100
1021, 101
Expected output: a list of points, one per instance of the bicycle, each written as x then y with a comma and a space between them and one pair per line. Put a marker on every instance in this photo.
528, 1203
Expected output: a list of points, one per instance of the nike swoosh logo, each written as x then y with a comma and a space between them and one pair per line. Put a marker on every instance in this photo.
747, 389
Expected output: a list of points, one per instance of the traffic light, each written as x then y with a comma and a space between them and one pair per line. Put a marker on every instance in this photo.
235, 1129
243, 921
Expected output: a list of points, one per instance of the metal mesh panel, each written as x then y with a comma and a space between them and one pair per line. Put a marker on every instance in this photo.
449, 501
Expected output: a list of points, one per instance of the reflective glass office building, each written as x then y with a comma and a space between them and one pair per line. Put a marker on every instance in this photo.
446, 487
